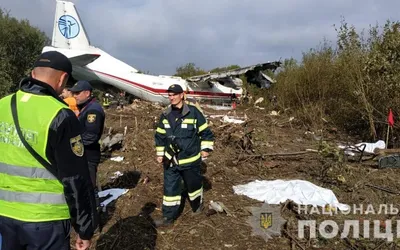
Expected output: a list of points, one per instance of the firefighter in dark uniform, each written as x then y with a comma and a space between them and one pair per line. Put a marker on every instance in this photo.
45, 185
91, 117
182, 138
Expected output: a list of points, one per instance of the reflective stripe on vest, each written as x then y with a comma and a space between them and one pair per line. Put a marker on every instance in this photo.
37, 198
28, 191
181, 161
32, 172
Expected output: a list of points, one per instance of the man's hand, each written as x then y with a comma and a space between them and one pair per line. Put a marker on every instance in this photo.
160, 159
82, 244
204, 154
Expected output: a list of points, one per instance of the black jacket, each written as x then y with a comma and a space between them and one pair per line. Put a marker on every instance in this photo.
72, 170
92, 118
187, 130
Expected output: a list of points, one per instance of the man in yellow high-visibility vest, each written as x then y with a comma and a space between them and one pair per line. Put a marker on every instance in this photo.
45, 187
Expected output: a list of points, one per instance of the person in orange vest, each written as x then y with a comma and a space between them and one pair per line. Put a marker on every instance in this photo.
70, 100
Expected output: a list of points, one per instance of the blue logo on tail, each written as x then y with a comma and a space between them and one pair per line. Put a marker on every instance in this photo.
68, 26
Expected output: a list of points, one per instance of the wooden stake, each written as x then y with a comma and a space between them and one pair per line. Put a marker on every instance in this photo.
136, 127
383, 189
387, 136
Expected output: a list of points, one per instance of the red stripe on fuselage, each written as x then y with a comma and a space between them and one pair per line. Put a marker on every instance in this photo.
164, 91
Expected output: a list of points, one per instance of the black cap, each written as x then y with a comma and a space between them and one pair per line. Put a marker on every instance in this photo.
175, 88
81, 85
54, 60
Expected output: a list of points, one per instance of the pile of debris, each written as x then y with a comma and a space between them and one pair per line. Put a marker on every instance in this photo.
113, 142
232, 131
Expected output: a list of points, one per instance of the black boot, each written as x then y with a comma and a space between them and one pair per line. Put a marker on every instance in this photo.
199, 210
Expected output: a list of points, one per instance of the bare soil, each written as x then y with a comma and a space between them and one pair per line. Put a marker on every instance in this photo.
243, 153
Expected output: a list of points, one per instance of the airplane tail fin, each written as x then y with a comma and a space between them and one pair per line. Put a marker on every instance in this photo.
68, 30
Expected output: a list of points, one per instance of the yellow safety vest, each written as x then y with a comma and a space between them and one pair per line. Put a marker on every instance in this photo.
106, 102
28, 191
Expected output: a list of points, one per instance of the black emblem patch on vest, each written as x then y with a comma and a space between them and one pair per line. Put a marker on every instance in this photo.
77, 145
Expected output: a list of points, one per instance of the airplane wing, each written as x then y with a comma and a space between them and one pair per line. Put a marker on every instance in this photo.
83, 60
236, 72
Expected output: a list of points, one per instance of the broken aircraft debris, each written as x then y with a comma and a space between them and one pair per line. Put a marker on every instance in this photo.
254, 75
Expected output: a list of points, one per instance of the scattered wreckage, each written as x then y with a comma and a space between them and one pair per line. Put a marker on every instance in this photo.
112, 142
254, 75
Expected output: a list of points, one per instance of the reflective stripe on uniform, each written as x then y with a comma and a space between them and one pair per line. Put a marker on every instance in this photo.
37, 198
169, 157
207, 144
196, 194
166, 123
189, 121
160, 151
30, 172
161, 131
171, 200
189, 160
202, 127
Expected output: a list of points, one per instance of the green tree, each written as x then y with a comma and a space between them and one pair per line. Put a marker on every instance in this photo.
230, 67
188, 70
20, 44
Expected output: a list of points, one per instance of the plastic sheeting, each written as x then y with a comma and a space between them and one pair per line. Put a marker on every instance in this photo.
299, 191
114, 192
368, 147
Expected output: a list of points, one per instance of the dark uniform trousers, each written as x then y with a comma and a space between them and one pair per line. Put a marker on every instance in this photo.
93, 172
19, 235
93, 164
174, 187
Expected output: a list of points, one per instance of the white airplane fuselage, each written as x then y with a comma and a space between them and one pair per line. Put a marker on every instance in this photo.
70, 38
114, 72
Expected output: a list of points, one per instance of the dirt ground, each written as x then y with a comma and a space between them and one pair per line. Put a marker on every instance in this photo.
243, 153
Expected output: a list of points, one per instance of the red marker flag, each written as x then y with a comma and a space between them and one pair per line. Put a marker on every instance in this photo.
390, 118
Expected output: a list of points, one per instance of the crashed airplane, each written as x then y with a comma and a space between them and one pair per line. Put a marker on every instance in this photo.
101, 69
231, 78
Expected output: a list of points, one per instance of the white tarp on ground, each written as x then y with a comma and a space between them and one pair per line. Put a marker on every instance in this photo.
369, 147
299, 191
231, 120
114, 192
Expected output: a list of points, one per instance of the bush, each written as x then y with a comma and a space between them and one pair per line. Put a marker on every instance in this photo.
20, 44
352, 84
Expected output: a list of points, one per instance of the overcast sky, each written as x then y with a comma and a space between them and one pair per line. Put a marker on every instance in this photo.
160, 35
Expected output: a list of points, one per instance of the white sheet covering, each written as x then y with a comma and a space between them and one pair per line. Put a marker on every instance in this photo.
299, 191
369, 147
